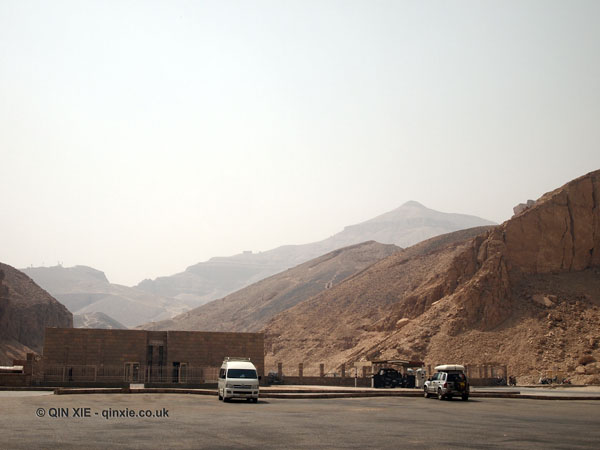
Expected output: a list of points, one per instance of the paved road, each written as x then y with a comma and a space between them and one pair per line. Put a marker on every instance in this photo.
196, 421
552, 391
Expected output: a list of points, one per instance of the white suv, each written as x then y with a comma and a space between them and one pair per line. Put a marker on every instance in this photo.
448, 381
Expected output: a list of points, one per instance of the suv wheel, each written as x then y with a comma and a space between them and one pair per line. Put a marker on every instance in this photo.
425, 393
440, 395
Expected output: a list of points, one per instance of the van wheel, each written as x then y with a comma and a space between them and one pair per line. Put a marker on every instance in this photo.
440, 395
425, 393
225, 399
220, 398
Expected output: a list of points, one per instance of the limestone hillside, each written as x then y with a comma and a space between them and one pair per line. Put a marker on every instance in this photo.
25, 311
249, 309
525, 293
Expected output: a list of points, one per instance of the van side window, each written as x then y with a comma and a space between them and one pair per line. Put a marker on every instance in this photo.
222, 373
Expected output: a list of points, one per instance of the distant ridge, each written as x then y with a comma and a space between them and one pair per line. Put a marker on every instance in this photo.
404, 226
96, 320
250, 308
86, 290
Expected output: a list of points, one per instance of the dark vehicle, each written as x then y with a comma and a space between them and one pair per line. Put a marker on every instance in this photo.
387, 378
273, 378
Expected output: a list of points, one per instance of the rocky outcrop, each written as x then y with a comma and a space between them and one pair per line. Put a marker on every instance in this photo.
526, 293
558, 233
522, 207
25, 311
561, 232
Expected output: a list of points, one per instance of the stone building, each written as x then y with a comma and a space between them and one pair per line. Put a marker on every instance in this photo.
114, 357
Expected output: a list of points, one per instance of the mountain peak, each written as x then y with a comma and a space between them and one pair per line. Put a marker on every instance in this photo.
413, 204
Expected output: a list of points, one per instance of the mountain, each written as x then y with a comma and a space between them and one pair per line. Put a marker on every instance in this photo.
525, 293
218, 277
25, 311
96, 320
250, 308
86, 290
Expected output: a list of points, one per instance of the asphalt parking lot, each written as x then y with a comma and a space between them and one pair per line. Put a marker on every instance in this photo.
195, 421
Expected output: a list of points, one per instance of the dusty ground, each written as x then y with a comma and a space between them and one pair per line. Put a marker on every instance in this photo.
203, 422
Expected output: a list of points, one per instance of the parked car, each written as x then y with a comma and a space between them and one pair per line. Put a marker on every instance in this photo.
387, 378
449, 381
273, 378
238, 379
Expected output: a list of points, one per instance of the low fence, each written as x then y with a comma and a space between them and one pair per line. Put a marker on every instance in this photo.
182, 374
328, 381
343, 376
492, 374
15, 379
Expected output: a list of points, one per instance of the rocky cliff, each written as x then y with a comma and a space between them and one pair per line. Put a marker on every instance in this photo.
525, 293
25, 311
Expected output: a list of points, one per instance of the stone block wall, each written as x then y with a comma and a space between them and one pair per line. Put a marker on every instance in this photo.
93, 347
95, 355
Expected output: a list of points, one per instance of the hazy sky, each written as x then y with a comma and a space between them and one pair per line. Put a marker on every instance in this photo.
143, 137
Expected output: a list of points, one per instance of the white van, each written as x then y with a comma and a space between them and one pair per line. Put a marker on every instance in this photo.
238, 379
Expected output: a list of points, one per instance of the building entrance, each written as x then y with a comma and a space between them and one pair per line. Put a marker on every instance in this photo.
132, 372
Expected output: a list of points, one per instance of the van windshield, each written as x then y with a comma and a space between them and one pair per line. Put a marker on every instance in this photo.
241, 373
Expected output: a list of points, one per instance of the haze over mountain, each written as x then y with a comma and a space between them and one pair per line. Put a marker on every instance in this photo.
525, 293
25, 311
404, 226
86, 290
250, 308
96, 320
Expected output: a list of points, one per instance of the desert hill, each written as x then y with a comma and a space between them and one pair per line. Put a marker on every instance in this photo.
25, 311
86, 290
96, 320
250, 308
218, 277
525, 293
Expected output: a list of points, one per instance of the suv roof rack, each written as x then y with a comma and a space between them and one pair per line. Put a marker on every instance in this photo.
236, 358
